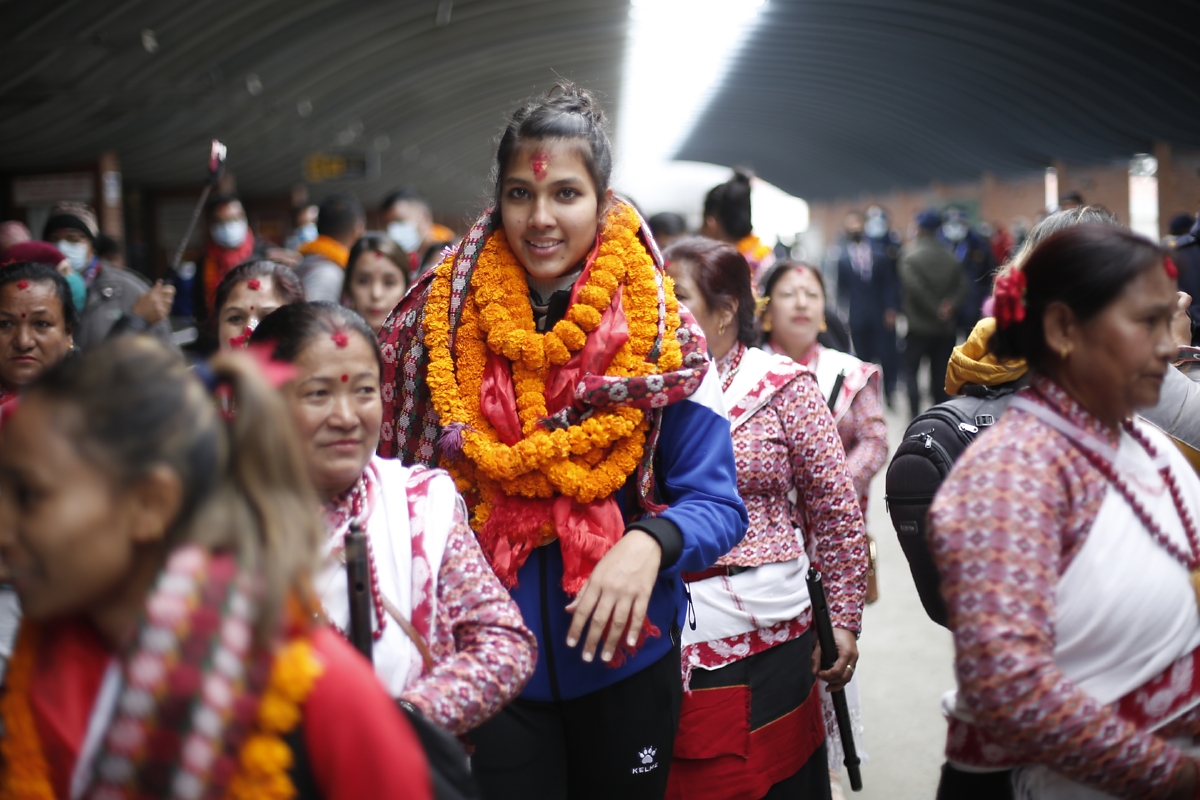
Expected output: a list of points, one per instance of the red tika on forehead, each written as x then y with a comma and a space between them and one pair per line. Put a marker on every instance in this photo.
340, 338
253, 284
539, 162
22, 284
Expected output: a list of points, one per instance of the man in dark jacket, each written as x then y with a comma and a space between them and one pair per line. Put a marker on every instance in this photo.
116, 297
974, 253
1187, 258
869, 291
934, 290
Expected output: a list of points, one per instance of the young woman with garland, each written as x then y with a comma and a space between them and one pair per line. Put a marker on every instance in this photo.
752, 718
546, 363
162, 555
449, 641
1067, 544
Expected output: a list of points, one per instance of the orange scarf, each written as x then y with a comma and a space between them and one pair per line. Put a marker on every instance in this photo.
325, 247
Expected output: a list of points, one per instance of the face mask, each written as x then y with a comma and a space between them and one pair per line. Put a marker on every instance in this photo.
230, 234
75, 252
306, 233
856, 236
876, 227
405, 234
954, 231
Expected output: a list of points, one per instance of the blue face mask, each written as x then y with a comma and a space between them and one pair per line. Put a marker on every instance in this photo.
77, 253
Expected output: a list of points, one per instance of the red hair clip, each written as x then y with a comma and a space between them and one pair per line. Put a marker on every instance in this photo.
1010, 299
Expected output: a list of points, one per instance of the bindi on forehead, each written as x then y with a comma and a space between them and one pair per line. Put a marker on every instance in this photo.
539, 162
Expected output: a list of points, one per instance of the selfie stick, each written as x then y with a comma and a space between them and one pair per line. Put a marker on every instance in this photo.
216, 166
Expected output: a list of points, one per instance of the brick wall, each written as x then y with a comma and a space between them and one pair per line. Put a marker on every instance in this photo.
1022, 199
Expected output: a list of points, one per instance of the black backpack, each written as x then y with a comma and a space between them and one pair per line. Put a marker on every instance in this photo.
931, 445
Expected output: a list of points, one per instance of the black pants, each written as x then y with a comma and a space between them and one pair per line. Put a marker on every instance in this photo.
616, 742
875, 343
958, 785
937, 349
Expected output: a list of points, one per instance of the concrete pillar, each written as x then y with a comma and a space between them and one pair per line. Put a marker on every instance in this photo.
1169, 202
109, 205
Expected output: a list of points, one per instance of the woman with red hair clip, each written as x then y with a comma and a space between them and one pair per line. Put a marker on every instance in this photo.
1066, 540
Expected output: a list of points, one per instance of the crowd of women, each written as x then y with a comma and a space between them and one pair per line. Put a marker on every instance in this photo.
590, 480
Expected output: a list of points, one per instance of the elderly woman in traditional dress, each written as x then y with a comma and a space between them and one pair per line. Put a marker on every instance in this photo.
752, 721
547, 365
448, 640
1067, 545
793, 318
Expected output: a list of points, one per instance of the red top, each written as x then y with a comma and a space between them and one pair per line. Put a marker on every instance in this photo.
357, 742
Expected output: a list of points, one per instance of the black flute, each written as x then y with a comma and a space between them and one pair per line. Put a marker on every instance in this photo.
358, 585
829, 653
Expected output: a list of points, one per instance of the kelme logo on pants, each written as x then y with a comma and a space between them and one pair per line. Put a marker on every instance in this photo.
646, 757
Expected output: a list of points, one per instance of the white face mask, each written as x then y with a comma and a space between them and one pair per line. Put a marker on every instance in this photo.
306, 233
74, 252
876, 227
954, 231
405, 234
230, 234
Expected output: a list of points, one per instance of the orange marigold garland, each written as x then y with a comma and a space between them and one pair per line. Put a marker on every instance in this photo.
263, 761
587, 461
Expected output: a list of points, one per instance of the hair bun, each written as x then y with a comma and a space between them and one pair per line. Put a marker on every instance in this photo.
571, 97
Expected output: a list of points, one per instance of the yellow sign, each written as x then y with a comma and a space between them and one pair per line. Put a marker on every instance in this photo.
320, 167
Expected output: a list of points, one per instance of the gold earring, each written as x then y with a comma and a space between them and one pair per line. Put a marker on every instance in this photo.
823, 327
766, 324
1064, 353
721, 329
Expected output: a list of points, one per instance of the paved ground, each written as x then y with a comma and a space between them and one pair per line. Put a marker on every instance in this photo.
906, 665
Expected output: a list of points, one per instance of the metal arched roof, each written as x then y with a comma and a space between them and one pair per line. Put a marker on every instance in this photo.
831, 98
425, 86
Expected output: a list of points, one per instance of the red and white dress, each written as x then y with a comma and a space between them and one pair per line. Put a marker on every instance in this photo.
803, 509
856, 411
1077, 634
427, 565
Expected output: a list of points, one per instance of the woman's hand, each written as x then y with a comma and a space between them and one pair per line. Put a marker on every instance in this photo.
837, 676
618, 590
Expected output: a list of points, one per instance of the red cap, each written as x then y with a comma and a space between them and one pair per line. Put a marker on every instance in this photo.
41, 252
